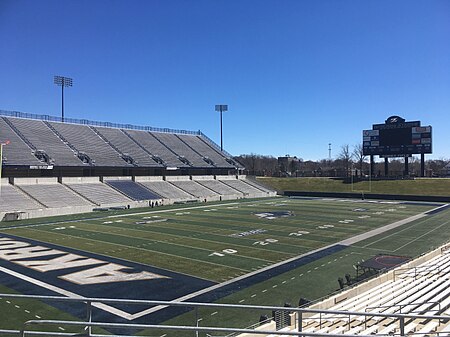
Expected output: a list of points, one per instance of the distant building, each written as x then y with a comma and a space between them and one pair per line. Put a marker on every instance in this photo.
447, 169
288, 165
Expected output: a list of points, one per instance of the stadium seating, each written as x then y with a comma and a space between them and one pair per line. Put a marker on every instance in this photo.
12, 199
97, 192
420, 288
156, 148
165, 189
220, 188
38, 134
45, 140
132, 189
50, 193
85, 140
196, 189
181, 149
127, 146
17, 152
202, 147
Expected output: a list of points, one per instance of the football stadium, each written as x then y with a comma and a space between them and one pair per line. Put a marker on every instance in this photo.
121, 230
225, 168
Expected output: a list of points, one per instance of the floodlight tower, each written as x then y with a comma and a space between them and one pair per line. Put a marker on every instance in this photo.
329, 151
62, 82
221, 108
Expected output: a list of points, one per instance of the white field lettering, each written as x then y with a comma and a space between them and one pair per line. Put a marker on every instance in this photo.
26, 254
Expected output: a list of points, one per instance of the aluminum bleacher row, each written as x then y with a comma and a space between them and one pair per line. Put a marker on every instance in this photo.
33, 197
39, 141
419, 288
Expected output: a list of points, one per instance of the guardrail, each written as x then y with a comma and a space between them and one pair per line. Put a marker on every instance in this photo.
88, 324
49, 118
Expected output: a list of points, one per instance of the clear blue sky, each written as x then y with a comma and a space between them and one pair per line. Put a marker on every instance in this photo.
296, 75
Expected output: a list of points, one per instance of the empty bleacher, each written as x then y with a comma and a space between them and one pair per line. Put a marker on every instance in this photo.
78, 144
127, 146
12, 199
181, 149
156, 148
166, 189
220, 188
50, 193
132, 189
419, 290
85, 140
198, 144
97, 192
45, 139
195, 189
17, 152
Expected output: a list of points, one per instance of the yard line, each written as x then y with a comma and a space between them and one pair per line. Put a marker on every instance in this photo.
418, 238
149, 250
214, 313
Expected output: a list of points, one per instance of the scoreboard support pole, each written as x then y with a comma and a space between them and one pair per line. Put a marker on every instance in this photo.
386, 167
422, 164
406, 172
372, 165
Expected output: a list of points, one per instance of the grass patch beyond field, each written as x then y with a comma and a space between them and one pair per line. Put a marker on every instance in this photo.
425, 186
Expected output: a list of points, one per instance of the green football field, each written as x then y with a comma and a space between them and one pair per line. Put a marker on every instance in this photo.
222, 241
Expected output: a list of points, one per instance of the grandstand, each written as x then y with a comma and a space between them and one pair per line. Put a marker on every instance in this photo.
41, 140
408, 300
93, 164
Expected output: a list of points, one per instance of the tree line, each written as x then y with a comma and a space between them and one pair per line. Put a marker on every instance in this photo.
349, 161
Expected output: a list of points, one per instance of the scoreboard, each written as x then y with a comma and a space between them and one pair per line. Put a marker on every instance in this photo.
397, 138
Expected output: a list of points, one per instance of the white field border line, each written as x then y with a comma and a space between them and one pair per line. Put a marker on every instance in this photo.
129, 316
67, 293
421, 236
130, 214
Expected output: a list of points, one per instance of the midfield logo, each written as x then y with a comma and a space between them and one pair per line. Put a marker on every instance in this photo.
275, 215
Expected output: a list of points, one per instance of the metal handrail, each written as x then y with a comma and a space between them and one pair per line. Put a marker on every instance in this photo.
174, 327
27, 115
163, 304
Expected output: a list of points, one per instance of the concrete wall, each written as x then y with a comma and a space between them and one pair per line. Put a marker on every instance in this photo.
397, 197
117, 178
177, 178
80, 180
226, 177
35, 181
197, 178
145, 179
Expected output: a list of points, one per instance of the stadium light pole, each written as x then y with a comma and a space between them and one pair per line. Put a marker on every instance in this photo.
221, 108
62, 82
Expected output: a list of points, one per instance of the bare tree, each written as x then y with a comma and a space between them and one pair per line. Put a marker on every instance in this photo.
345, 157
358, 155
